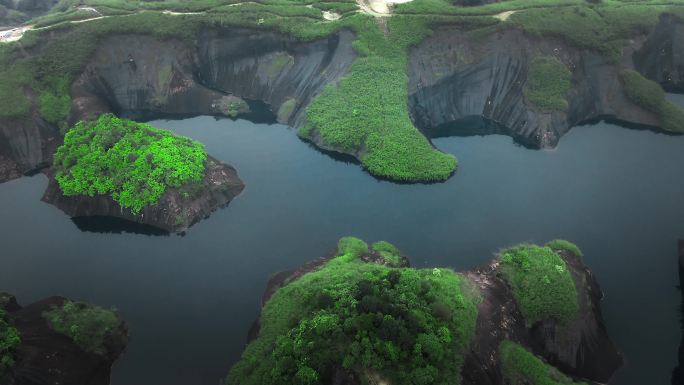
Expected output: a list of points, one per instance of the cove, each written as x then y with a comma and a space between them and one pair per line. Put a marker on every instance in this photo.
190, 300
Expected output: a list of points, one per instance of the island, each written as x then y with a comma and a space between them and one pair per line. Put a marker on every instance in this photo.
362, 315
120, 168
58, 341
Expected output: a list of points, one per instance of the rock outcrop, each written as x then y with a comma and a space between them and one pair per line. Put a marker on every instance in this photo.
453, 75
47, 357
581, 349
177, 209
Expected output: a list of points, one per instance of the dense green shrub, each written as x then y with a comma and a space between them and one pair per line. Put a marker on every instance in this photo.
133, 162
548, 83
409, 326
389, 252
351, 246
562, 244
520, 366
88, 326
540, 282
9, 340
650, 95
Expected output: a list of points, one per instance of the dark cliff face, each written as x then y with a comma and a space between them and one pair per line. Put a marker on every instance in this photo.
581, 349
176, 210
142, 78
46, 357
455, 75
662, 56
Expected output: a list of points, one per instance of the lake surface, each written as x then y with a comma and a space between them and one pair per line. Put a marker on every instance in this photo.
190, 300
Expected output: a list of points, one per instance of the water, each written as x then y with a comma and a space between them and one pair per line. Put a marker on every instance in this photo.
190, 300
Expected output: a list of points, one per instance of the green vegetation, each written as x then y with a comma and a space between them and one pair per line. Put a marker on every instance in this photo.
133, 162
563, 245
88, 326
389, 252
522, 367
278, 62
9, 340
286, 109
364, 114
548, 83
232, 106
540, 282
649, 95
408, 326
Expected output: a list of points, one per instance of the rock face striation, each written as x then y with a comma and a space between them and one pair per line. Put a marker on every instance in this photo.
176, 210
46, 357
581, 349
452, 75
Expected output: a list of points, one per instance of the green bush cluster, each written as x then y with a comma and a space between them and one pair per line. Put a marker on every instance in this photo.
88, 326
389, 252
404, 325
541, 283
650, 95
9, 341
548, 83
520, 366
133, 162
563, 245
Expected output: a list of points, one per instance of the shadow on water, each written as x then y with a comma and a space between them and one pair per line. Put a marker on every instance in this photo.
259, 113
476, 126
111, 225
678, 372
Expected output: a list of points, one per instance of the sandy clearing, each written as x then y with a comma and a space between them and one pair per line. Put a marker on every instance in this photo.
379, 8
503, 16
331, 16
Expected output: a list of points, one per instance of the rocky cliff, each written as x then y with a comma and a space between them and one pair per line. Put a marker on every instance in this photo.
47, 357
456, 74
581, 349
177, 209
661, 58
453, 75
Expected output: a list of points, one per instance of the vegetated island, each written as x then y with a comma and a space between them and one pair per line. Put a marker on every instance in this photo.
363, 316
120, 168
58, 341
353, 77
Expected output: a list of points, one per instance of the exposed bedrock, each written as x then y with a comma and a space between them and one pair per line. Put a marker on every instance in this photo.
662, 56
455, 74
176, 210
582, 348
48, 357
140, 77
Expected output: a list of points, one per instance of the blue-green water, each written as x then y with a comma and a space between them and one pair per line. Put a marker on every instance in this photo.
190, 300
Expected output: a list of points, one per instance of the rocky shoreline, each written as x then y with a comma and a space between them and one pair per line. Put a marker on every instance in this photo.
47, 357
176, 210
581, 349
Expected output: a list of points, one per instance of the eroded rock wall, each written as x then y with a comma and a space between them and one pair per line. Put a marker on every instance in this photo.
455, 74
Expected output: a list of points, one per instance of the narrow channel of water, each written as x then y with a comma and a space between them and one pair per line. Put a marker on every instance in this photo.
190, 300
